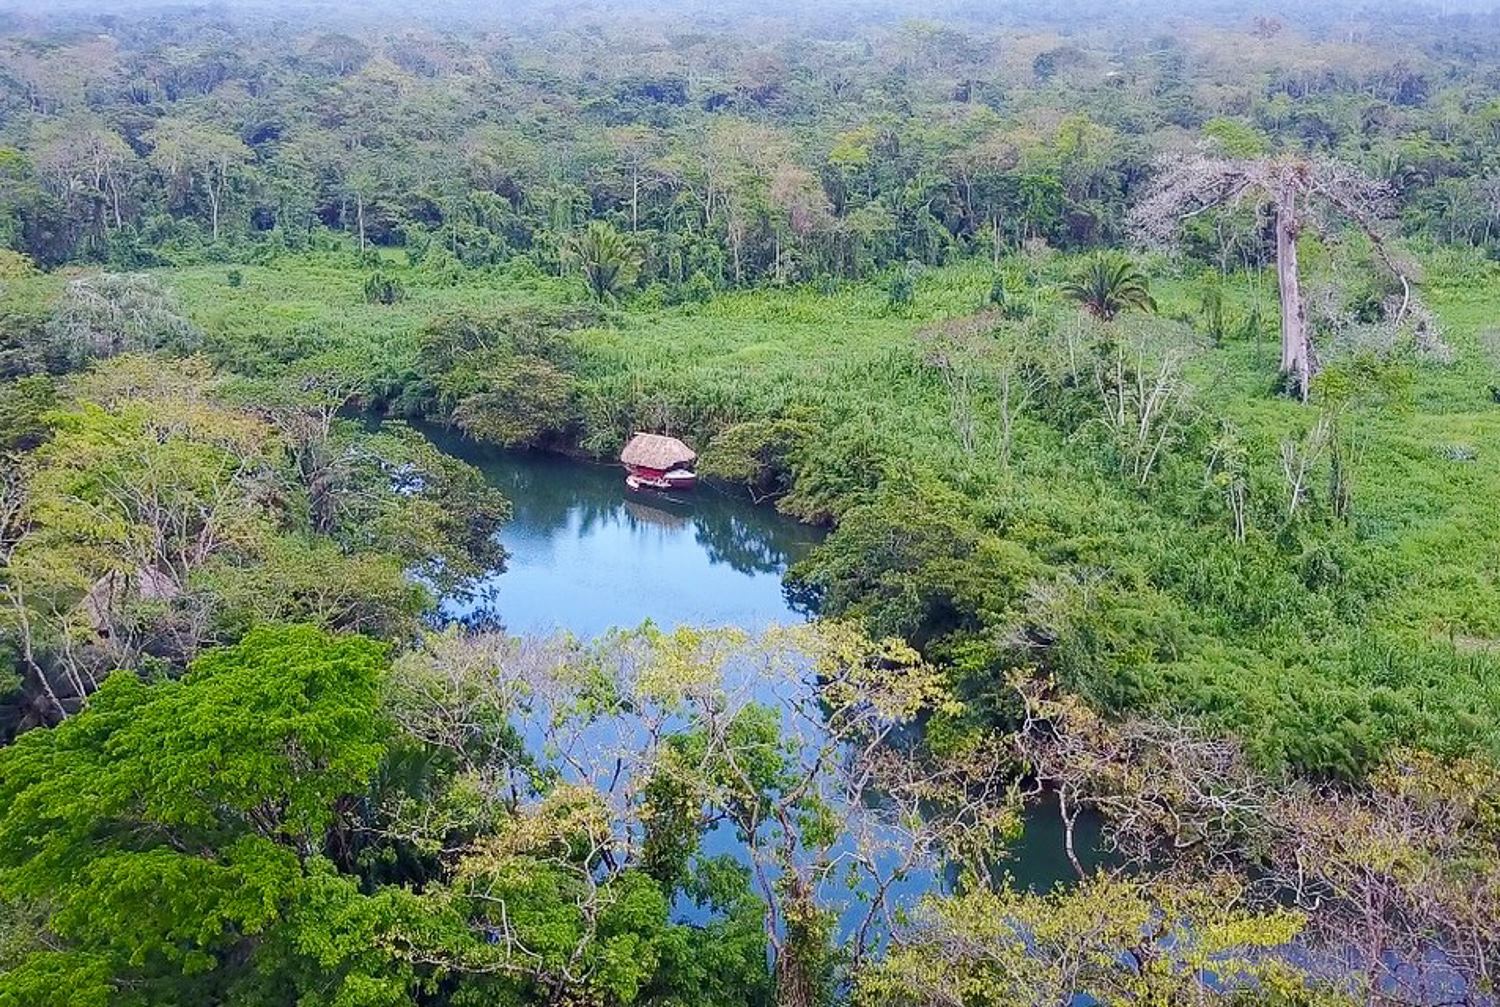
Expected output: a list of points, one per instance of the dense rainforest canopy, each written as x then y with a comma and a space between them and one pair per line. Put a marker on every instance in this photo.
1141, 361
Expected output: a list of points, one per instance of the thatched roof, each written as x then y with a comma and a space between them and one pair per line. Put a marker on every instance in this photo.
654, 451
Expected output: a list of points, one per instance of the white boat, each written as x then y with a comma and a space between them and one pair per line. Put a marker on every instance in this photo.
677, 479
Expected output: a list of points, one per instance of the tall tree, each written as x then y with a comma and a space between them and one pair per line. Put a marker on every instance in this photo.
87, 165
191, 155
605, 259
1295, 190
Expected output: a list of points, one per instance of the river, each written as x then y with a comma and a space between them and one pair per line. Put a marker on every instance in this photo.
586, 555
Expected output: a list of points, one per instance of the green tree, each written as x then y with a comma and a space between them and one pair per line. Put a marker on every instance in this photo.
1109, 283
191, 155
525, 401
382, 288
170, 839
606, 261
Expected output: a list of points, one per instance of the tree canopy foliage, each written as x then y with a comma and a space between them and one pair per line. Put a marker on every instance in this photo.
990, 294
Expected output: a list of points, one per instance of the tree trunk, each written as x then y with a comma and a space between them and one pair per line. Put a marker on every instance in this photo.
1296, 358
635, 199
1070, 820
798, 951
794, 987
359, 210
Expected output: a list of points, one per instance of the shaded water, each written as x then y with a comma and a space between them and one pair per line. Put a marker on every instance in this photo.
586, 554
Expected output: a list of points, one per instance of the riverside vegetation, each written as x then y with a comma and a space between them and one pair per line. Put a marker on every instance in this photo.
1143, 367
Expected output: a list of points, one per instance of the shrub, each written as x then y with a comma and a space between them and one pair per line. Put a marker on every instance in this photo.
383, 289
114, 313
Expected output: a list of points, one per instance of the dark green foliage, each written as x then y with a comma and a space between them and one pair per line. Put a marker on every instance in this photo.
1006, 300
1108, 283
900, 290
381, 288
23, 405
761, 455
456, 351
524, 402
909, 567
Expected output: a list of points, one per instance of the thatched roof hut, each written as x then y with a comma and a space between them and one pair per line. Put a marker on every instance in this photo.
657, 453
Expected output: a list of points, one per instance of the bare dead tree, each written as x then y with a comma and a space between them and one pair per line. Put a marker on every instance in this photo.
1300, 459
1400, 879
1300, 193
981, 355
1144, 397
1167, 790
958, 349
1226, 470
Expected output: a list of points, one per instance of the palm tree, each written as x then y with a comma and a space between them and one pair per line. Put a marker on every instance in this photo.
1108, 284
608, 264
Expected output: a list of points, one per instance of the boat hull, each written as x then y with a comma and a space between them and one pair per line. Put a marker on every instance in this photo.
676, 480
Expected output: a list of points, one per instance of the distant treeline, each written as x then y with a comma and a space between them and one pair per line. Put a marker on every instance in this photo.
736, 147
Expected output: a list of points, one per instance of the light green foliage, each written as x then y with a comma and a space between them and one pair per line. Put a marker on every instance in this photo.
1111, 940
603, 256
1236, 138
170, 830
23, 406
160, 517
16, 265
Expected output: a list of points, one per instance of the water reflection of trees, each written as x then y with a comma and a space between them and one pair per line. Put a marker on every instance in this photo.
750, 539
549, 493
744, 546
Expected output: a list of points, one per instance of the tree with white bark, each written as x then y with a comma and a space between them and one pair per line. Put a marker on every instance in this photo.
88, 166
1300, 193
194, 157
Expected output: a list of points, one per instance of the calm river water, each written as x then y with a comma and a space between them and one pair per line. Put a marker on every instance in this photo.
587, 555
